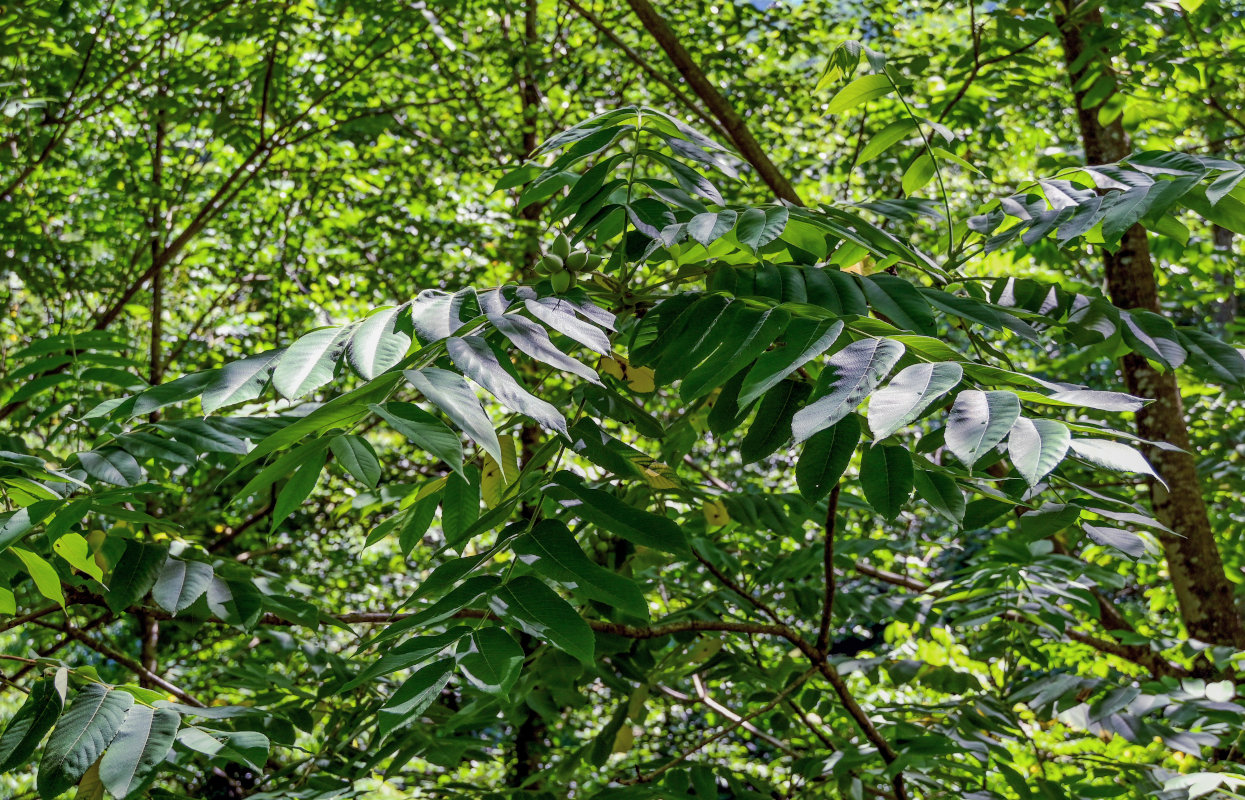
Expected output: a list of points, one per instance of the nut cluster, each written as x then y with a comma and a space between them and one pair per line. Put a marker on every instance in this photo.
560, 264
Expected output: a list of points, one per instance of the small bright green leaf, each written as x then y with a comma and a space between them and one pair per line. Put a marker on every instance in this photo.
47, 581
74, 549
861, 90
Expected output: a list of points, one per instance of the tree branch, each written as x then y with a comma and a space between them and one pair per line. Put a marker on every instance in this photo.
725, 113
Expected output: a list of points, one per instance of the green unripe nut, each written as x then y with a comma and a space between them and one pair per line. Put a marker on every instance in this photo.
593, 261
562, 281
554, 262
561, 246
542, 266
576, 260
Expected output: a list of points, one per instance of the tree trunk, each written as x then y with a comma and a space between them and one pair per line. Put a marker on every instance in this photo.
1196, 568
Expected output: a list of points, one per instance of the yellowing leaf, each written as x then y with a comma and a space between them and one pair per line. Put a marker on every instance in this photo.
715, 514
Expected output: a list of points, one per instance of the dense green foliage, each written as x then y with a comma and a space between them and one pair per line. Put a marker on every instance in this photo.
552, 400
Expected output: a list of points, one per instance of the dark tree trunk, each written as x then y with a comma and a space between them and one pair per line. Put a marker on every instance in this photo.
1202, 589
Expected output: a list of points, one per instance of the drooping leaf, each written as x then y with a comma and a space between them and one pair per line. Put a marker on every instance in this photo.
825, 458
1115, 456
531, 339
30, 724
531, 605
942, 493
357, 457
633, 524
415, 696
772, 425
490, 658
474, 356
552, 551
804, 340
425, 430
453, 395
886, 475
47, 580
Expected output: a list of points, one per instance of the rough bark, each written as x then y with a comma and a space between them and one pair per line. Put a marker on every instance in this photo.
718, 105
1202, 589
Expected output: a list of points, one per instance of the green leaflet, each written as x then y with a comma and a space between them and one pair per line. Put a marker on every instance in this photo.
805, 339
941, 492
357, 457
145, 737
1115, 456
633, 524
908, 394
532, 339
414, 696
47, 579
31, 723
452, 394
898, 301
111, 465
297, 489
239, 381
425, 430
979, 421
379, 342
180, 584
310, 362
552, 551
410, 653
825, 458
1036, 446
881, 141
849, 376
758, 227
491, 659
861, 90
886, 475
234, 601
478, 361
531, 605
772, 425
82, 734
745, 341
